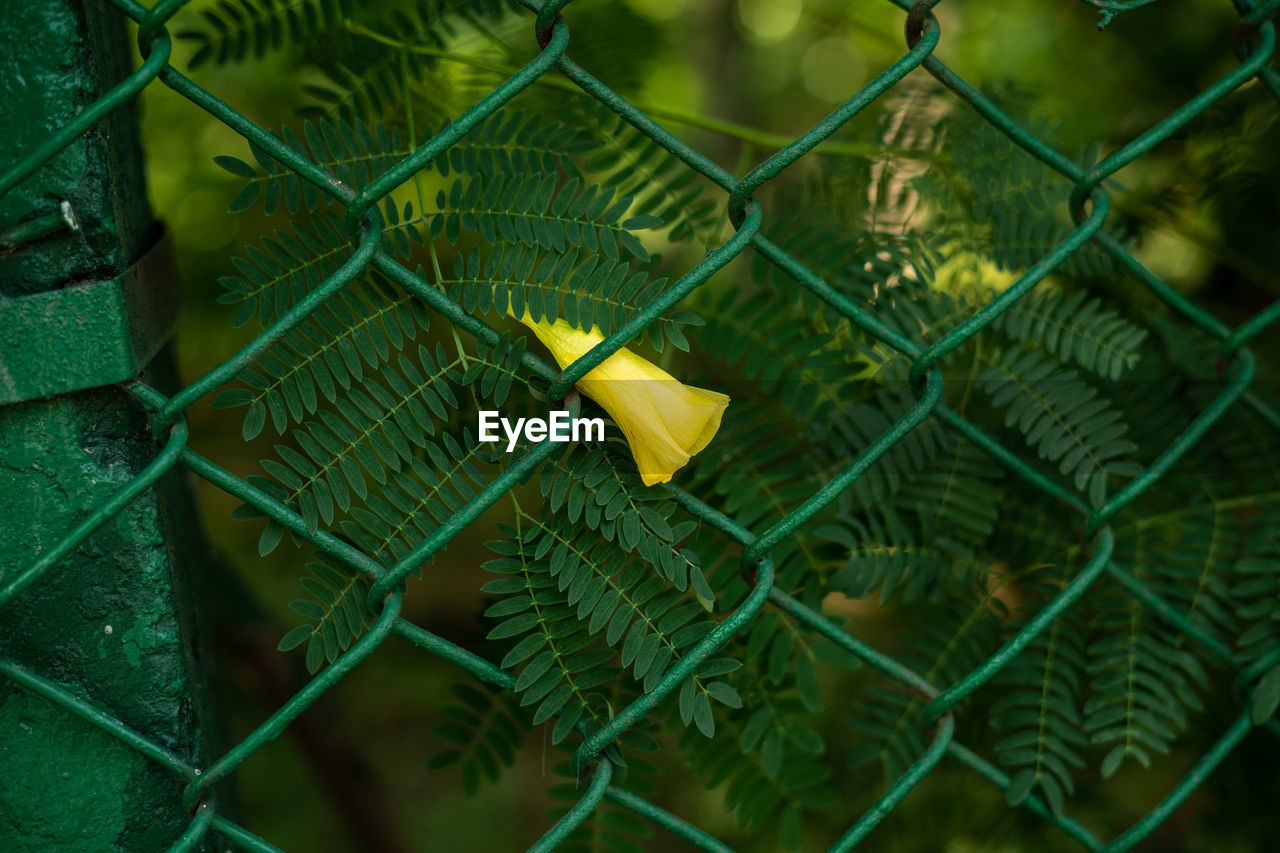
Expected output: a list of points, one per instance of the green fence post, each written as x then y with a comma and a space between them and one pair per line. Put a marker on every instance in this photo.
86, 302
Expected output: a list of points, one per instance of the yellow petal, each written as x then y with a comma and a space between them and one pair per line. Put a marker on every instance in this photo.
665, 421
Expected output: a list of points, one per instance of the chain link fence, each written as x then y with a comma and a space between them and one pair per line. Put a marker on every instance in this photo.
552, 23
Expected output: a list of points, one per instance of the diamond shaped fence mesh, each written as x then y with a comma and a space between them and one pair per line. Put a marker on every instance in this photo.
551, 24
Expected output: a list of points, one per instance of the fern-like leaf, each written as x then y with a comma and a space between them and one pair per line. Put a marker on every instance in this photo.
558, 670
584, 289
337, 608
660, 183
533, 211
1040, 706
1196, 571
289, 265
237, 28
1008, 203
1074, 329
636, 612
358, 328
768, 778
610, 828
357, 151
486, 730
954, 502
383, 434
1064, 419
952, 639
591, 484
1142, 682
1258, 591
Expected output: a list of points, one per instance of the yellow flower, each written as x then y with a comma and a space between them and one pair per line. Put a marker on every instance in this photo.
665, 421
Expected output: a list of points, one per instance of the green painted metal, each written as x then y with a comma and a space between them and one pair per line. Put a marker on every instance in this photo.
103, 710
581, 810
1033, 803
1259, 11
63, 150
665, 819
121, 616
88, 335
1007, 652
51, 97
193, 837
1195, 776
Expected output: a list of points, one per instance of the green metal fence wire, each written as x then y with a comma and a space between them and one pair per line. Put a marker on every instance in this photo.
1254, 43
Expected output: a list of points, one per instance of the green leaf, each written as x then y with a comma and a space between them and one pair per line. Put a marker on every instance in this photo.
792, 828
1266, 696
754, 730
444, 759
270, 538
633, 245
687, 691
806, 738
642, 222
833, 655
245, 198
1020, 786
296, 637
724, 694
771, 754
254, 420
702, 714
807, 683
1112, 762
236, 166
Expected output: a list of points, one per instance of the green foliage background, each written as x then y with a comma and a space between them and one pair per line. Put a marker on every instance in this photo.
917, 210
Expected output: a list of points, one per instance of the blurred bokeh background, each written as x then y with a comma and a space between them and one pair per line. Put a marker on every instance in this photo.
736, 79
